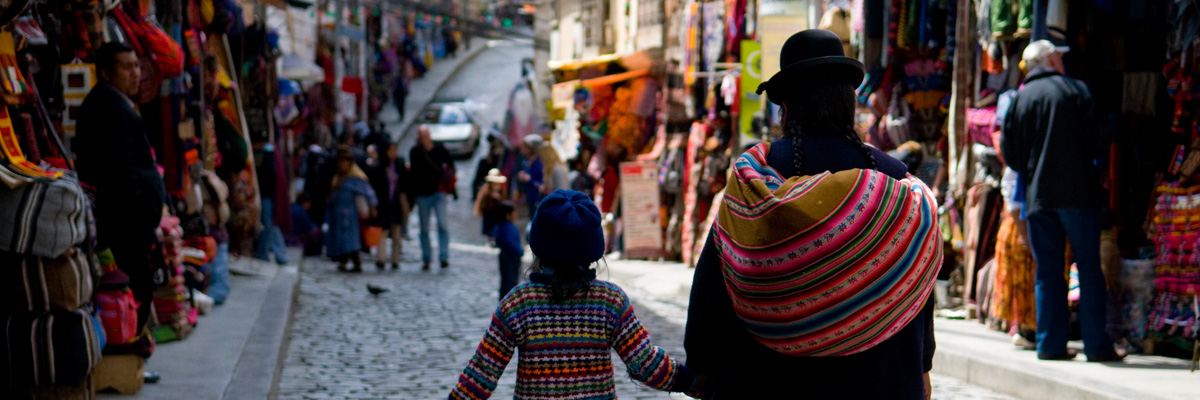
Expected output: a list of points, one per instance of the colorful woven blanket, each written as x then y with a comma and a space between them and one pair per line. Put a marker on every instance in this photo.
826, 265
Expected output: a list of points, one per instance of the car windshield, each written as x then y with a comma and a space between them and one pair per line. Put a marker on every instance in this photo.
452, 115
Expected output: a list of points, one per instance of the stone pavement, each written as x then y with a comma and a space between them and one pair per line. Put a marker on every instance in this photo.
967, 352
413, 341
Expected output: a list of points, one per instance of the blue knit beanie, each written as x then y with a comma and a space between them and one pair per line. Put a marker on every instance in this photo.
566, 230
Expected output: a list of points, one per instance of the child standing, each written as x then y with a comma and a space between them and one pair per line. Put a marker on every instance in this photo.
565, 321
509, 240
494, 191
303, 227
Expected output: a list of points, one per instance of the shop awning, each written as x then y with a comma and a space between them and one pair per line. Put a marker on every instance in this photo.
611, 79
557, 65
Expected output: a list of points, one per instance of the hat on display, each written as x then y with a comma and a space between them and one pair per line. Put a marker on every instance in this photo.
566, 231
494, 176
1037, 52
813, 55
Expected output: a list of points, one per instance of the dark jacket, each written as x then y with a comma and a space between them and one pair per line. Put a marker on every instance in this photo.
427, 169
742, 368
391, 210
1052, 137
114, 156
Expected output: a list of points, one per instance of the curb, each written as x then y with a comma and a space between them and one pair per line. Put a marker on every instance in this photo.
286, 343
405, 128
1006, 380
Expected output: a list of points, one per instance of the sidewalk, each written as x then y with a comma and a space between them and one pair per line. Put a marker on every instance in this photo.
234, 351
422, 90
965, 350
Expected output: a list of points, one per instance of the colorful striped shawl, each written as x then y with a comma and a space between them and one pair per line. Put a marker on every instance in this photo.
825, 265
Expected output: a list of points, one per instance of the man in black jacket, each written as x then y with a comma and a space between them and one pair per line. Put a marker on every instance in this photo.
431, 177
114, 157
1051, 139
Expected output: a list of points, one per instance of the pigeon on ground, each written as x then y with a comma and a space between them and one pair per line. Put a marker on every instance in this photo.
375, 290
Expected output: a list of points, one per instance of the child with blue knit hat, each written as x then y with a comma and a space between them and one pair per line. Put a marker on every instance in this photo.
564, 321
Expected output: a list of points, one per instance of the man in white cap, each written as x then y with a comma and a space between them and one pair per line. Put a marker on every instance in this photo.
531, 176
1050, 137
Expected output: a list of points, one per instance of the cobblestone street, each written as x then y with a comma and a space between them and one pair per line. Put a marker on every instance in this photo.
413, 341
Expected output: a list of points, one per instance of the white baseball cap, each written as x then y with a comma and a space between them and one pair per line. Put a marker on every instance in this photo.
1036, 53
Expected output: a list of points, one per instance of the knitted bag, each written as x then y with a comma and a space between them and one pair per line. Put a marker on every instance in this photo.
118, 312
38, 284
42, 218
54, 348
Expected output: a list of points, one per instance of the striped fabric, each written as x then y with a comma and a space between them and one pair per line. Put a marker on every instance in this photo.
565, 347
827, 265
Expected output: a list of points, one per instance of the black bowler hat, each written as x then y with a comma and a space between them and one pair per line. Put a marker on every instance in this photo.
812, 55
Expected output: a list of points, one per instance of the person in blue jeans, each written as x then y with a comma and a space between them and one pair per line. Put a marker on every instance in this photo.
270, 240
431, 176
1049, 136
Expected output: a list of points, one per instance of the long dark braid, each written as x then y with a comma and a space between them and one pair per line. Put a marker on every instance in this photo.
822, 108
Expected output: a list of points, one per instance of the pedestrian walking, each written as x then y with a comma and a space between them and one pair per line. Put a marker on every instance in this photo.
352, 202
400, 93
1050, 139
488, 200
565, 323
554, 170
532, 171
508, 239
389, 179
432, 177
493, 160
270, 239
762, 322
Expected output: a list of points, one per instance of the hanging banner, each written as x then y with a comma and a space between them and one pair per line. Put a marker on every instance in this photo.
641, 219
776, 29
714, 32
751, 77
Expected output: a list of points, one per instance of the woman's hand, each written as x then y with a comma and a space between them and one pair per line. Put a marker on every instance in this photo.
523, 176
700, 387
928, 387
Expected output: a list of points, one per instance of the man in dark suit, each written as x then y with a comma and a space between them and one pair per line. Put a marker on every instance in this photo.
114, 157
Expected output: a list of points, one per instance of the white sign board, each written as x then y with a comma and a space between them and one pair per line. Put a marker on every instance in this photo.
640, 210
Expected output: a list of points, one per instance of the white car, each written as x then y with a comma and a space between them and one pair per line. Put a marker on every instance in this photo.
451, 125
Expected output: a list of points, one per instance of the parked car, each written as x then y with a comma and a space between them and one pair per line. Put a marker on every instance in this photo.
451, 125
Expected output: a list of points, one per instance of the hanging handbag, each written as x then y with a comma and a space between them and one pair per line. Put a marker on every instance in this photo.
160, 48
151, 83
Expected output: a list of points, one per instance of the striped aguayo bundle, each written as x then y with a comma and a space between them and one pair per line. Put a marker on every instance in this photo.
827, 265
565, 347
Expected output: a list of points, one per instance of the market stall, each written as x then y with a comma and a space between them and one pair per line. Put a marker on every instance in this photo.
198, 132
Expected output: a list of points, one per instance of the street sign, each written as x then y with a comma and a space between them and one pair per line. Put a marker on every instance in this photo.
641, 218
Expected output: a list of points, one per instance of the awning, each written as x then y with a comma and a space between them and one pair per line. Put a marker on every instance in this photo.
611, 79
556, 65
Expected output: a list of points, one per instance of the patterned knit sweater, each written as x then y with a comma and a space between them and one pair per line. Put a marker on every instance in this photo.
565, 347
